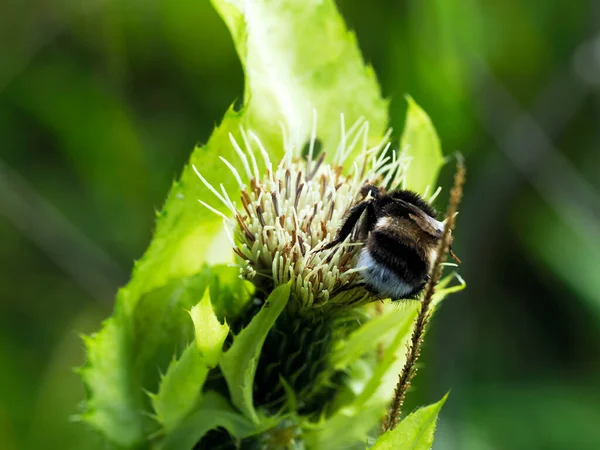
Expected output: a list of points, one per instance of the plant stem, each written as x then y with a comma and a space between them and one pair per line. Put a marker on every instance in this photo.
414, 346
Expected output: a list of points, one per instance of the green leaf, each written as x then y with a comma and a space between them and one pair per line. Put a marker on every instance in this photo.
229, 294
415, 432
351, 424
391, 329
298, 56
182, 244
209, 332
368, 336
214, 411
162, 327
380, 388
180, 388
442, 289
126, 358
421, 143
239, 362
107, 373
346, 429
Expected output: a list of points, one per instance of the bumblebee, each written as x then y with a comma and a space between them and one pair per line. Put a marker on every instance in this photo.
401, 235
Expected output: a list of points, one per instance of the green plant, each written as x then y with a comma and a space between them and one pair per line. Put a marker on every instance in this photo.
284, 356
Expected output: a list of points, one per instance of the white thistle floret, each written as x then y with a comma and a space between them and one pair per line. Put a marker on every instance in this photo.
289, 214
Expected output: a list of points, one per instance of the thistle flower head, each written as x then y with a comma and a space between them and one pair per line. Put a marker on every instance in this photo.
288, 214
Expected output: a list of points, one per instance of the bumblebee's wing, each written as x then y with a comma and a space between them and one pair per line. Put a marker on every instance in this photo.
427, 223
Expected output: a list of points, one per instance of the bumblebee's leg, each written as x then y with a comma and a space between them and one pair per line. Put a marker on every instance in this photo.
370, 218
349, 224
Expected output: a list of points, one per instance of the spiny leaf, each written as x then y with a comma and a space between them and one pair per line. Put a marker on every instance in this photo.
180, 247
107, 373
214, 411
210, 333
180, 388
125, 358
421, 143
347, 428
162, 327
351, 424
239, 362
415, 432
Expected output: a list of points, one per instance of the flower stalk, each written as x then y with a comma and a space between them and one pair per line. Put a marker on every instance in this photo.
413, 353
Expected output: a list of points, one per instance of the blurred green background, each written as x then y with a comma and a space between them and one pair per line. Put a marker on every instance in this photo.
102, 101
